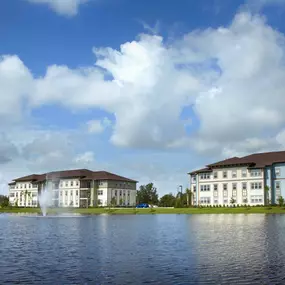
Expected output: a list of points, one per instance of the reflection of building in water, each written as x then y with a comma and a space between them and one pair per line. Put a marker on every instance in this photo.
255, 179
228, 248
74, 188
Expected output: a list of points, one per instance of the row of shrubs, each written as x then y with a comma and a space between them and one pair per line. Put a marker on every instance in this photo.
233, 206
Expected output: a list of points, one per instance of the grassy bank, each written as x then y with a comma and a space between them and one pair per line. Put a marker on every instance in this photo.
125, 211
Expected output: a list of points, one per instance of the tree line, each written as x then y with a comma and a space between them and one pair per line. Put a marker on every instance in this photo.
148, 194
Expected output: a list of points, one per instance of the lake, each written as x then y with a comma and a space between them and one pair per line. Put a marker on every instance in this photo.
143, 249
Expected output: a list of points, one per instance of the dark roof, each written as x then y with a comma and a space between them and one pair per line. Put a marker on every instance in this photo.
84, 174
229, 161
201, 170
256, 160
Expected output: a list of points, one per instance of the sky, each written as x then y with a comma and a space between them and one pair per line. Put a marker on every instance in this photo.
147, 89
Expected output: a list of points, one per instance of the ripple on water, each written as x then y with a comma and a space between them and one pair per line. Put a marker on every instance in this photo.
155, 249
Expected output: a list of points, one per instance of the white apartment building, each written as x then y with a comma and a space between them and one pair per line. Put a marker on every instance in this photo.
256, 179
74, 188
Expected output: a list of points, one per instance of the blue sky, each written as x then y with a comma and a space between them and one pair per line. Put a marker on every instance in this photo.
123, 85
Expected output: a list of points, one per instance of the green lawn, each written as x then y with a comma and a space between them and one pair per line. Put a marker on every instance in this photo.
124, 211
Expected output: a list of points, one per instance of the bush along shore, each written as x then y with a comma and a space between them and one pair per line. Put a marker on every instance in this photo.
125, 211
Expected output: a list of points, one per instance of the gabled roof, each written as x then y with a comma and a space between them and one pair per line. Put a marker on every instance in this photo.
84, 174
256, 160
200, 170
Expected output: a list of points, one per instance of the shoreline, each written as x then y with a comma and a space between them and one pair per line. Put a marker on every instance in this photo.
150, 211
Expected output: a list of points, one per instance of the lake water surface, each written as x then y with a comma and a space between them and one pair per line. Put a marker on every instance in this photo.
143, 249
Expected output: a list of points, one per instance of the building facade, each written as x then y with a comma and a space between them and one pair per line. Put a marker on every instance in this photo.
256, 179
74, 188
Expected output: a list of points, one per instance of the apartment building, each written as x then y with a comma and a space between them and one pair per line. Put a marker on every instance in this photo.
256, 179
74, 188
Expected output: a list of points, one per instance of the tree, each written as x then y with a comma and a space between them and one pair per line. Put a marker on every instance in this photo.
181, 200
280, 201
267, 189
232, 201
121, 201
167, 200
147, 194
113, 201
189, 196
4, 201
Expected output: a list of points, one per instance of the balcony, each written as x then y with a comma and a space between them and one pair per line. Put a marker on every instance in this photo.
85, 184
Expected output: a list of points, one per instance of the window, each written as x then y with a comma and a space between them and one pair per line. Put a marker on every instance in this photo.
277, 189
21, 186
194, 178
30, 186
100, 192
71, 193
234, 174
244, 186
225, 174
194, 188
225, 186
129, 193
71, 183
60, 185
76, 192
244, 200
66, 193
256, 185
225, 201
225, 193
256, 199
244, 192
234, 186
205, 188
215, 175
100, 182
215, 193
115, 192
244, 173
66, 184
60, 193
216, 201
205, 176
205, 200
12, 194
120, 192
77, 183
234, 193
215, 187
255, 172
277, 172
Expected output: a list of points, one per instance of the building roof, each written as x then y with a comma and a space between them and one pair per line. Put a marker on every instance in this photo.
84, 174
256, 160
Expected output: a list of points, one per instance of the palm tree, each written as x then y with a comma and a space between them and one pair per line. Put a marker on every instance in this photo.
189, 195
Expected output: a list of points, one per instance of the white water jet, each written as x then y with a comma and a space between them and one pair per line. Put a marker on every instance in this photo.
45, 200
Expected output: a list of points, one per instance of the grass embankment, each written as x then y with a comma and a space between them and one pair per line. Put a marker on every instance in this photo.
125, 211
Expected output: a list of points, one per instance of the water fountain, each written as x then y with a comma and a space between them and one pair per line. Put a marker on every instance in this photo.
45, 200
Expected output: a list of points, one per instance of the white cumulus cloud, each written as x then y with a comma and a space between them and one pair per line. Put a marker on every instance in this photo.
62, 7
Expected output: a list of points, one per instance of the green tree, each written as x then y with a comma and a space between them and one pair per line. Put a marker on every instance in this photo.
121, 201
189, 197
280, 201
4, 201
232, 201
267, 189
113, 201
147, 194
181, 200
167, 200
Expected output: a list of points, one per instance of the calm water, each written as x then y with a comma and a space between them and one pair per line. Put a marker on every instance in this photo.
151, 249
